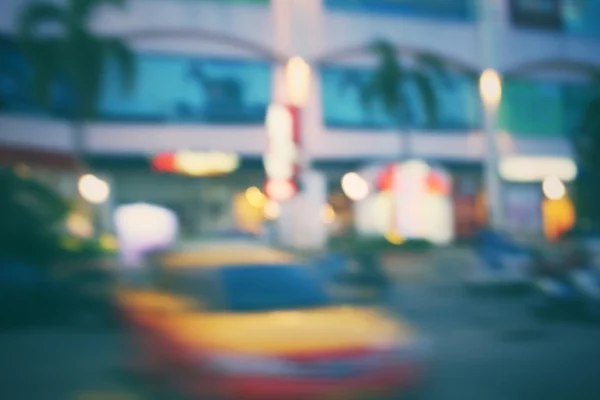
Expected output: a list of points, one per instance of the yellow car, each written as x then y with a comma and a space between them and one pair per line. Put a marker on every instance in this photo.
259, 324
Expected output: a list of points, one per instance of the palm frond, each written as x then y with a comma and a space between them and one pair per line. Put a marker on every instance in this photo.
37, 14
86, 72
384, 51
436, 68
428, 95
586, 140
116, 50
45, 57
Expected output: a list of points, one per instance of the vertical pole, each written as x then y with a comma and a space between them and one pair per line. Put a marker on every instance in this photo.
487, 22
493, 185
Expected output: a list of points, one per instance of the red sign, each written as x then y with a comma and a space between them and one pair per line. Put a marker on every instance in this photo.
280, 189
281, 158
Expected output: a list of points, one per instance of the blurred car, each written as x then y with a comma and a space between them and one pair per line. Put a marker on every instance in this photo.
502, 263
258, 323
586, 241
30, 296
567, 277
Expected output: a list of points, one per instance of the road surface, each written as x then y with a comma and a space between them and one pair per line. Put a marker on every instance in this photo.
487, 349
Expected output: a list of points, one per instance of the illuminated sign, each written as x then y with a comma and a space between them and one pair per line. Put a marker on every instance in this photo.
536, 169
196, 163
281, 158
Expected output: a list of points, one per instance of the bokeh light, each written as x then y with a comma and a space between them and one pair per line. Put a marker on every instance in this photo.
490, 88
354, 186
328, 214
143, 227
255, 197
80, 226
280, 189
272, 210
553, 188
394, 238
93, 189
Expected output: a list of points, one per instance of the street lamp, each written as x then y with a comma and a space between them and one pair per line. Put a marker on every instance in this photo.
490, 87
490, 90
297, 81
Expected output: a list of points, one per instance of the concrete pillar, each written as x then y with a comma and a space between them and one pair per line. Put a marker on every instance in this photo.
490, 14
298, 25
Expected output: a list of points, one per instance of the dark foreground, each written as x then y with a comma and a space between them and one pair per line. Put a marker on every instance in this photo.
488, 349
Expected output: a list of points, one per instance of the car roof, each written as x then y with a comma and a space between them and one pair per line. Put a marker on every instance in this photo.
223, 254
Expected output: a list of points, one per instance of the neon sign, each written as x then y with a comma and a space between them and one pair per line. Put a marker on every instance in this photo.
281, 158
196, 163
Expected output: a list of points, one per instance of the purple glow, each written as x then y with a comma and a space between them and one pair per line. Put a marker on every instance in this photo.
143, 227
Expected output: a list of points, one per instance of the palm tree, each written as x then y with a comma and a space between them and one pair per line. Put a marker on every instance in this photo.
75, 56
31, 213
388, 86
586, 143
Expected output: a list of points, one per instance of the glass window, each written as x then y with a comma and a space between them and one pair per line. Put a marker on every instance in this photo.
269, 288
576, 98
458, 106
581, 17
461, 10
188, 89
531, 108
545, 14
573, 17
194, 283
543, 108
167, 88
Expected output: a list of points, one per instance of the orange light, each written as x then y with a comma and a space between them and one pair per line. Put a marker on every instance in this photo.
164, 162
558, 216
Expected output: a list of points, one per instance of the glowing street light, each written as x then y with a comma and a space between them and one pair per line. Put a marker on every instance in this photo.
297, 80
490, 88
93, 189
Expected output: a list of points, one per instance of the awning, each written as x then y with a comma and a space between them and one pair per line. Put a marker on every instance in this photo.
10, 155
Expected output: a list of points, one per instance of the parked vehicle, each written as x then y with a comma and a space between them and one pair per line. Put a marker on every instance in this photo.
502, 263
567, 283
573, 293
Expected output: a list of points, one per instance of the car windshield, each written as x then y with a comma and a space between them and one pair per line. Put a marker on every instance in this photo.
269, 288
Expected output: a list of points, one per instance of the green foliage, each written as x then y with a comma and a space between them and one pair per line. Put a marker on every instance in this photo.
74, 54
387, 85
586, 143
355, 244
84, 249
31, 215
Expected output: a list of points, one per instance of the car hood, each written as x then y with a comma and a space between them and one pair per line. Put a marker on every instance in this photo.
277, 332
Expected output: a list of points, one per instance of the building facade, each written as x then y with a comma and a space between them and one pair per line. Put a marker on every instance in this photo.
206, 71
